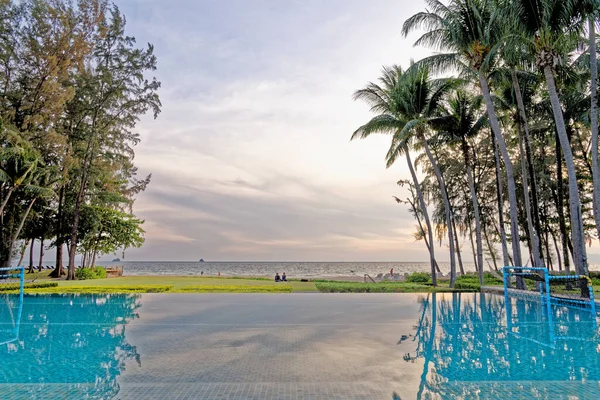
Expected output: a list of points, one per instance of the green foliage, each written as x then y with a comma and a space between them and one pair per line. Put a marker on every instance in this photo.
488, 279
89, 273
280, 288
104, 289
381, 287
467, 286
31, 285
419, 277
100, 272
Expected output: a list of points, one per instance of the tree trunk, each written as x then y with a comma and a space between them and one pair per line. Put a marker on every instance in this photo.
41, 262
425, 216
594, 119
5, 201
479, 265
458, 252
414, 206
529, 158
73, 237
491, 248
94, 260
473, 251
502, 232
560, 267
512, 192
15, 237
31, 256
533, 235
23, 253
84, 259
448, 210
58, 267
560, 207
577, 233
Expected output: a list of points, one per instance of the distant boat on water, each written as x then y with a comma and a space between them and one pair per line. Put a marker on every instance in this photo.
201, 260
116, 260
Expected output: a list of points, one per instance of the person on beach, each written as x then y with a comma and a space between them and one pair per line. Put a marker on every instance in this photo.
283, 277
392, 272
277, 278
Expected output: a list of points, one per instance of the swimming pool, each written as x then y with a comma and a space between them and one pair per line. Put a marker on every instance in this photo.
289, 346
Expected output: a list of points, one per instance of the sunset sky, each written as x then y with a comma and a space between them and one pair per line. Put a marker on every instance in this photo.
251, 158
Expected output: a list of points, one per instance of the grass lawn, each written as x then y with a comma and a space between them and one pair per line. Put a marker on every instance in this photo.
187, 284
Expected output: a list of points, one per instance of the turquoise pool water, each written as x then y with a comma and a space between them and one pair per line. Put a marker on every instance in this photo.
444, 346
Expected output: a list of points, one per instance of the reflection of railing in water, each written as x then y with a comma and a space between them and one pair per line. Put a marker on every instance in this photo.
501, 365
547, 309
13, 332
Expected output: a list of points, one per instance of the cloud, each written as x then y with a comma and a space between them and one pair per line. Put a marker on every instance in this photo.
251, 157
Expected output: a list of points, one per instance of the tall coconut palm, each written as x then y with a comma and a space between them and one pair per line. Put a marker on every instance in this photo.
591, 10
468, 32
382, 99
401, 102
548, 29
460, 121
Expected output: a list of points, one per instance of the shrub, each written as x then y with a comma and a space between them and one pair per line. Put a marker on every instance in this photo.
89, 273
467, 287
595, 274
418, 277
85, 273
31, 285
100, 272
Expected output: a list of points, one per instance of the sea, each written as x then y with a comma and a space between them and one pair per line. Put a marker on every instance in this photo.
291, 269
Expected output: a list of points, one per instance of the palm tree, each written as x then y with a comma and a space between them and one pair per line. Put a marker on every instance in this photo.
402, 103
458, 122
468, 33
549, 30
388, 120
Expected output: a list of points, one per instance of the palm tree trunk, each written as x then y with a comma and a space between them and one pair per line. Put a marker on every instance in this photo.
502, 232
41, 261
577, 233
31, 256
594, 118
533, 235
491, 248
560, 207
512, 191
447, 208
529, 158
422, 228
23, 253
560, 267
425, 215
479, 264
461, 267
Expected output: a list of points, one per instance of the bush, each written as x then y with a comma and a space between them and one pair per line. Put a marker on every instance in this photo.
89, 273
467, 287
100, 272
84, 274
595, 274
32, 285
418, 277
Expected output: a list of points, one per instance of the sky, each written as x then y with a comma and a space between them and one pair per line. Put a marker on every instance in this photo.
250, 157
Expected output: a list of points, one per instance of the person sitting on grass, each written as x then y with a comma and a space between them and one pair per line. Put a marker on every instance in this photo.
283, 277
277, 278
